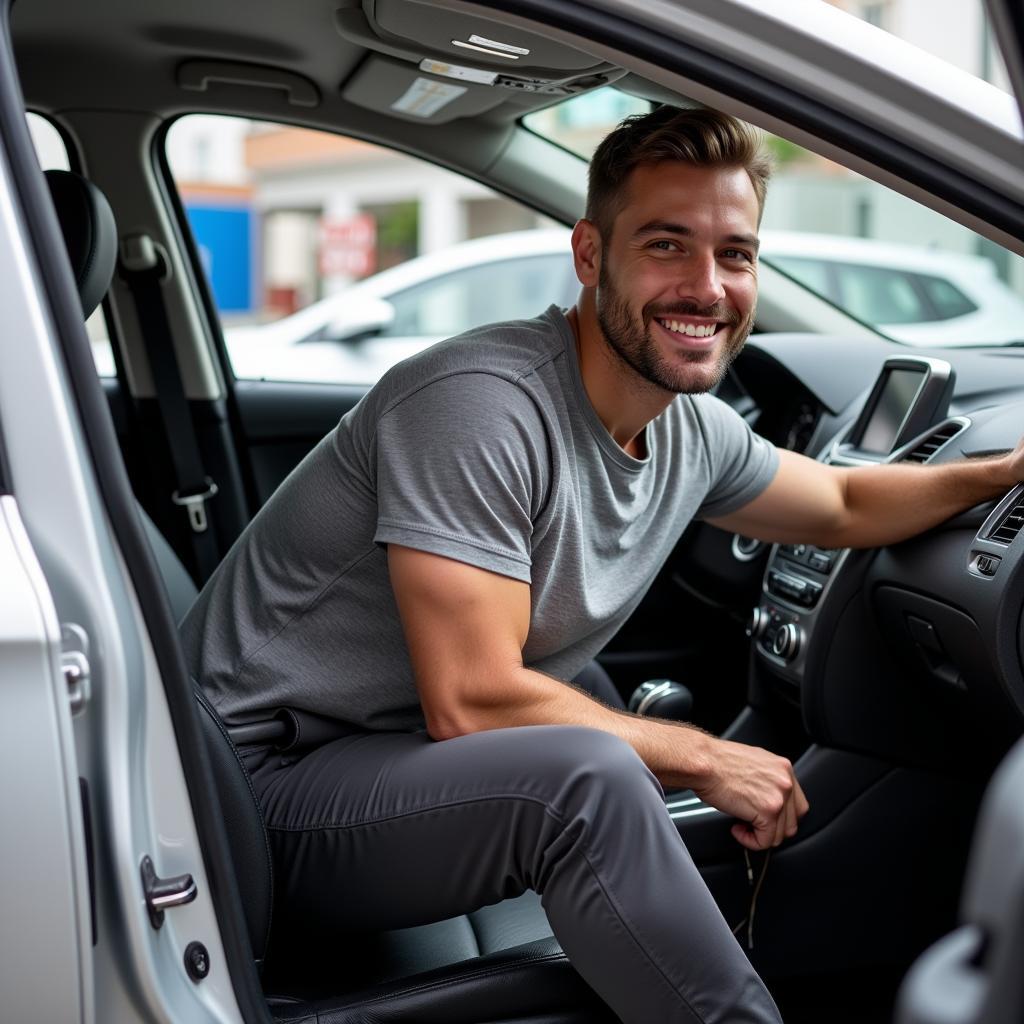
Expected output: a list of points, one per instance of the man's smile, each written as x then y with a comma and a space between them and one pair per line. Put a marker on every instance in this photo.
690, 332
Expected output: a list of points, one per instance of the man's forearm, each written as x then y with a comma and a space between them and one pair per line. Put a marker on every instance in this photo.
886, 504
678, 754
755, 786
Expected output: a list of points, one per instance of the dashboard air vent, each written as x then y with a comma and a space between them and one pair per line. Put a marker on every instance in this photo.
925, 449
1009, 525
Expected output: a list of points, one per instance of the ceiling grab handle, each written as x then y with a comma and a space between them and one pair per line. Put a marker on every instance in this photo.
200, 75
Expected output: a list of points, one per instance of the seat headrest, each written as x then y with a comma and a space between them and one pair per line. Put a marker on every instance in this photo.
90, 234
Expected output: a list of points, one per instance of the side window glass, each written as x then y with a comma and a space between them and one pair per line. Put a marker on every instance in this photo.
879, 295
493, 290
53, 155
813, 274
322, 251
947, 299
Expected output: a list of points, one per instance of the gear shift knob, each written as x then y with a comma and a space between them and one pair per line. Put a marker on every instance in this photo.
662, 698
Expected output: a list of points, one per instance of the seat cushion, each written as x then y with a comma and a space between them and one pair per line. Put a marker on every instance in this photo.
528, 984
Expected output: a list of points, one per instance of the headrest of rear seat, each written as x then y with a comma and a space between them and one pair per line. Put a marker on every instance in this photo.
90, 234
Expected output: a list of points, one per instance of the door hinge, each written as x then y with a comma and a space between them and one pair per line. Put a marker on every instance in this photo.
74, 662
164, 893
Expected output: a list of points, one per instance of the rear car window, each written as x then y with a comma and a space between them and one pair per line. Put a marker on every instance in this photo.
879, 295
946, 299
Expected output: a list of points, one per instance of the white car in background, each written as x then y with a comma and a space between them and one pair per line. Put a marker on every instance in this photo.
910, 293
355, 335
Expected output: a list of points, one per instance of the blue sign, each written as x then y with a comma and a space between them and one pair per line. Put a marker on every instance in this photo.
224, 237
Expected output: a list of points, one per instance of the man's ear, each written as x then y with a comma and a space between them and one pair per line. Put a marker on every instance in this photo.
586, 252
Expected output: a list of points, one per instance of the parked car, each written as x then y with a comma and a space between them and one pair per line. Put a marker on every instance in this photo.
355, 335
137, 883
916, 295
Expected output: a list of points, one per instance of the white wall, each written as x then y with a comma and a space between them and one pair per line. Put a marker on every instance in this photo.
203, 148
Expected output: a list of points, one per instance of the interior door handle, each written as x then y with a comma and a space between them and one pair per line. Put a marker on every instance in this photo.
164, 893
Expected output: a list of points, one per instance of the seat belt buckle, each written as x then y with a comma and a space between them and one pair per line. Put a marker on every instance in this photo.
194, 503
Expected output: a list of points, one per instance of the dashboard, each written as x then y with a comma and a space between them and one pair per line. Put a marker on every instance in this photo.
914, 652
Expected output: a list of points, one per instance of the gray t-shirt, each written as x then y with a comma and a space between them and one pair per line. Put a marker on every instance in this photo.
484, 449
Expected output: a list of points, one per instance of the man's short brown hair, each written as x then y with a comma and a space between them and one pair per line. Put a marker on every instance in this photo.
699, 137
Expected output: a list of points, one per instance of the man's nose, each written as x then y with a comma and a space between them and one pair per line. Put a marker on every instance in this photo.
701, 282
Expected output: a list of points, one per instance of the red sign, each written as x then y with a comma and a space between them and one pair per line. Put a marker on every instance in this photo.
348, 246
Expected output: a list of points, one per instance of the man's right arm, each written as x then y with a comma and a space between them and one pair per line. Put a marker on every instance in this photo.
465, 629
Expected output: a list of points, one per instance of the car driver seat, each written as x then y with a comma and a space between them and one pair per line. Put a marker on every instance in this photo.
498, 963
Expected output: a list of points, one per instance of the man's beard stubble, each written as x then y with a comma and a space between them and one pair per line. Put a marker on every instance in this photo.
633, 343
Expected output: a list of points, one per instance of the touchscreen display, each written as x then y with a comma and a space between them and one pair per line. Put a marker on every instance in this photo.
890, 412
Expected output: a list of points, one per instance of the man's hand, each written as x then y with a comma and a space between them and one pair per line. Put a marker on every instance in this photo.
759, 788
1014, 463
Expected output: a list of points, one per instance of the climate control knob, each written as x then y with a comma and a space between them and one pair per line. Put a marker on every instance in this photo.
757, 623
786, 641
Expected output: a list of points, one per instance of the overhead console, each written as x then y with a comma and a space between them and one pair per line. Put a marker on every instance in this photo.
900, 421
429, 64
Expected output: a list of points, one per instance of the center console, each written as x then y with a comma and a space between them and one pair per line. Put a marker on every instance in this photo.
909, 397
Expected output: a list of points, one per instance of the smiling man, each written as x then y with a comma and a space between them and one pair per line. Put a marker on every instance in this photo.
470, 537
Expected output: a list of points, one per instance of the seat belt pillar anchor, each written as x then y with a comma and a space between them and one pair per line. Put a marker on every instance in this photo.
194, 503
140, 254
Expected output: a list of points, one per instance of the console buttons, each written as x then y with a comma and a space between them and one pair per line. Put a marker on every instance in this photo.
820, 561
757, 623
984, 565
795, 588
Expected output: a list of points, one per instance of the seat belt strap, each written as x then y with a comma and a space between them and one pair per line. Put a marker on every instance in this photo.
144, 269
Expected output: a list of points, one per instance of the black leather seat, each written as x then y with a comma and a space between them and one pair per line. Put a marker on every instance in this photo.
500, 963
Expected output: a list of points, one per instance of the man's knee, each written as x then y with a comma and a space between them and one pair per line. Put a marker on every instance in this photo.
595, 764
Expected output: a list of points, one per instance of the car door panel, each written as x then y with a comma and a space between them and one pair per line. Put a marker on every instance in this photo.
281, 422
46, 918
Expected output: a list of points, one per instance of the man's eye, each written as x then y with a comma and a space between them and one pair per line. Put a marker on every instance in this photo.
664, 244
733, 254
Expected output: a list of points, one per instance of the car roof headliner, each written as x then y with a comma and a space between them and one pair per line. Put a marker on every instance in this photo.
129, 56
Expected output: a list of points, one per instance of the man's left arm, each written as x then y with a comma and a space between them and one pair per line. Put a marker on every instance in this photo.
868, 506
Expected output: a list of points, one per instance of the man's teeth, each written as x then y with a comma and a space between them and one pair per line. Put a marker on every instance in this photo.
690, 330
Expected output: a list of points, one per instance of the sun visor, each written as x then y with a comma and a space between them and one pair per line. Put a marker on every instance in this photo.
471, 48
469, 37
395, 88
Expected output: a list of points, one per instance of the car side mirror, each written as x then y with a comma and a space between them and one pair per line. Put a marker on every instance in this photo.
364, 318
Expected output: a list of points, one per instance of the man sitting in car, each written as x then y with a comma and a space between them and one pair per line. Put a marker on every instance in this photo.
472, 534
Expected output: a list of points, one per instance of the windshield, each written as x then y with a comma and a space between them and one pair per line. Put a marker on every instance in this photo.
908, 272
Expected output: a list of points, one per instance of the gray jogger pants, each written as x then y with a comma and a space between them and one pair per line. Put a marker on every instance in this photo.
391, 830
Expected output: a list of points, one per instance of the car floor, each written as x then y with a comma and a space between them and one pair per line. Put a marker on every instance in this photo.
852, 997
